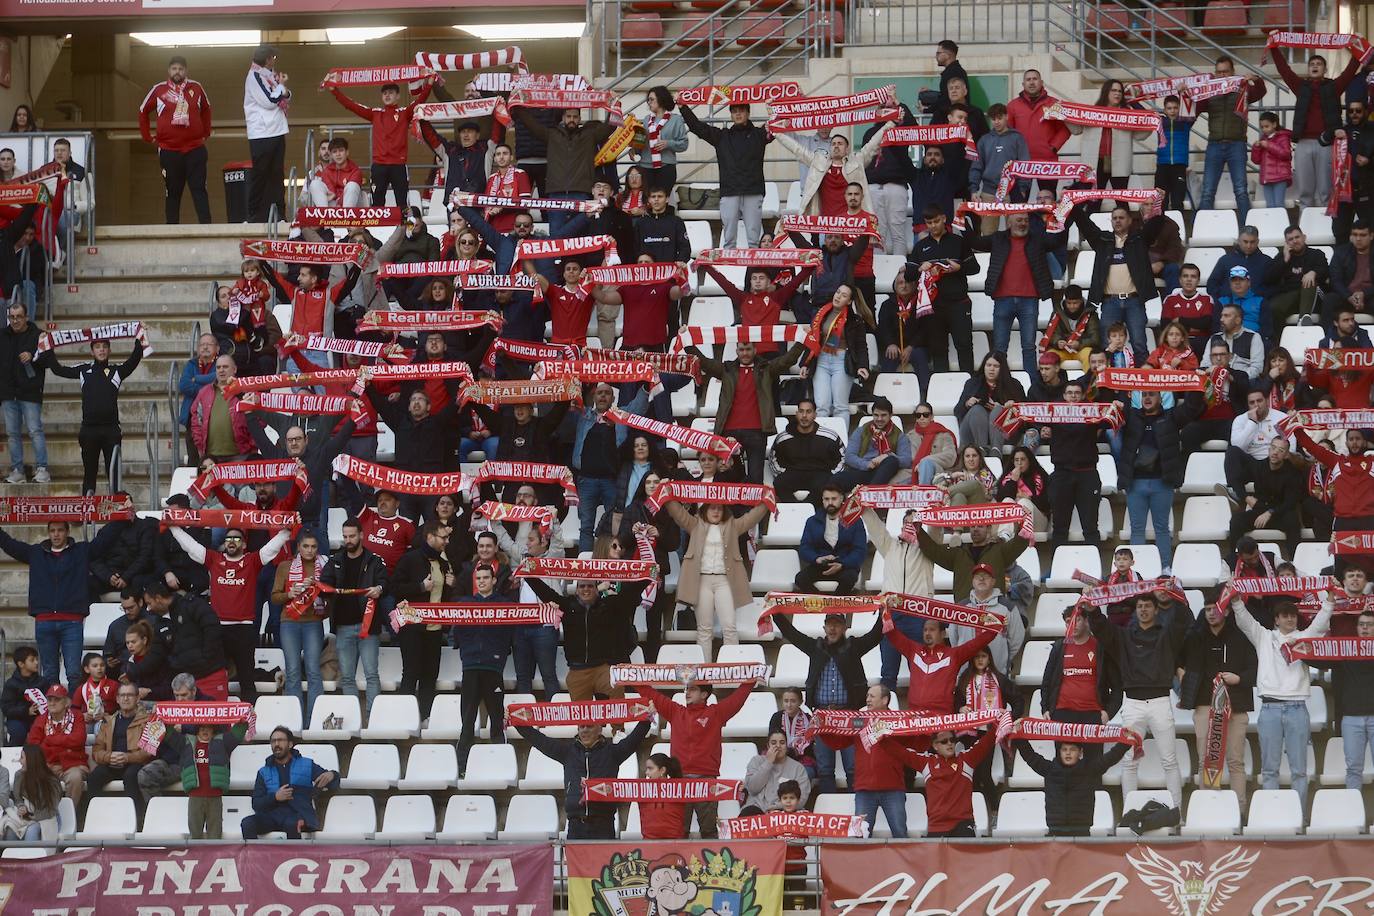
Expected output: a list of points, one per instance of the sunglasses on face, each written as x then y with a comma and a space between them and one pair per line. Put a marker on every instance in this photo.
924, 414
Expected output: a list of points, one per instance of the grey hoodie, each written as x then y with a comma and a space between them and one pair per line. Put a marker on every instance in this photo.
994, 152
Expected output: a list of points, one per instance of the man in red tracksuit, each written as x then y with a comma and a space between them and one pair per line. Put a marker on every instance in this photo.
183, 126
935, 665
1351, 484
949, 782
697, 738
390, 127
312, 301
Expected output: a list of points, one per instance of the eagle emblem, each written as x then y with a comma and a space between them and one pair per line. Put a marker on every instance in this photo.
1186, 888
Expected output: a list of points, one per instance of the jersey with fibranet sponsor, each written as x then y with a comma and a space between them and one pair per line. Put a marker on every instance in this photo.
388, 538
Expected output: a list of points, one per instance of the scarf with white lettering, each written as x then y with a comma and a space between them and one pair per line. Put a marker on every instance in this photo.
586, 570
794, 825
122, 330
875, 496
579, 712
676, 363
722, 447
301, 252
1342, 183
34, 510
969, 516
244, 519
961, 615
452, 267
568, 98
528, 472
347, 217
1043, 170
240, 473
314, 405
382, 477
759, 257
476, 614
539, 249
663, 675
792, 603
1151, 200
1176, 380
533, 391
662, 791
1329, 649
402, 322
1076, 732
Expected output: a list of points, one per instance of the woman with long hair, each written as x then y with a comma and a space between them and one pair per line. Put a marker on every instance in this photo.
985, 394
838, 341
301, 634
1110, 151
1025, 482
23, 121
662, 820
1286, 387
145, 663
37, 793
665, 135
1174, 350
972, 482
633, 198
981, 687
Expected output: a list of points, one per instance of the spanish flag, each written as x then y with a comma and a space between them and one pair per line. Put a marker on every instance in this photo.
683, 878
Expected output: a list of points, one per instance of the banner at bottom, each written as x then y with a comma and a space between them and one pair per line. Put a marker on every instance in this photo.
682, 878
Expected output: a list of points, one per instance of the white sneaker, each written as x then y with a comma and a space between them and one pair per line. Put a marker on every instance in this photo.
42, 476
17, 476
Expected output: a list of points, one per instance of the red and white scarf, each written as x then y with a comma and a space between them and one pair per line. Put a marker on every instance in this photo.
1355, 359
1342, 183
1152, 380
476, 614
675, 363
1043, 170
568, 98
792, 603
701, 337
305, 252
849, 118
579, 712
1040, 413
1326, 419
296, 575
933, 135
314, 405
695, 492
1329, 649
528, 472
984, 692
450, 268
874, 496
852, 226
121, 330
928, 288
1029, 729
981, 208
1080, 326
961, 615
244, 519
593, 370
543, 516
347, 217
766, 93
33, 510
401, 322
503, 183
1117, 592
375, 76
297, 606
21, 195
722, 447
1223, 85
365, 349
490, 107
653, 126
1344, 543
381, 477
1151, 200
1323, 41
586, 570
269, 80
1269, 586
506, 202
206, 713
539, 249
869, 98
970, 516
510, 56
1100, 116
240, 385
1146, 90
239, 473
527, 351
794, 824
873, 725
669, 791
759, 257
685, 674
533, 391
633, 275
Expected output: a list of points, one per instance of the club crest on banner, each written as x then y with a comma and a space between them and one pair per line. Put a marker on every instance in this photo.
1186, 887
715, 884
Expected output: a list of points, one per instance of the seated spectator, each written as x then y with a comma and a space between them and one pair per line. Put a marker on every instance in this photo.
1245, 253
338, 182
877, 451
1074, 330
1285, 386
1222, 402
1345, 332
1351, 283
205, 751
61, 735
119, 752
831, 550
96, 695
285, 789
34, 799
985, 394
1245, 346
1152, 465
588, 756
1190, 307
1254, 310
1072, 779
1347, 388
1295, 279
805, 455
661, 820
935, 450
1174, 350
1216, 646
18, 705
972, 483
792, 720
144, 665
1025, 482
1166, 249
766, 771
1251, 433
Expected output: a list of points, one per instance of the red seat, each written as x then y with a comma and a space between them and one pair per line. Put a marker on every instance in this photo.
1110, 19
1163, 20
710, 4
641, 30
1226, 17
653, 6
702, 29
1285, 15
821, 19
761, 30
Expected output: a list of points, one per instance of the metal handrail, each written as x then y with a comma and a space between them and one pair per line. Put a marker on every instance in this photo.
150, 431
173, 407
273, 218
292, 192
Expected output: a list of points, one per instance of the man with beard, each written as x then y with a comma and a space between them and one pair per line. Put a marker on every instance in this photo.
183, 125
830, 550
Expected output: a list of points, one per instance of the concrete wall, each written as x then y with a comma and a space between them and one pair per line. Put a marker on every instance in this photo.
109, 76
31, 59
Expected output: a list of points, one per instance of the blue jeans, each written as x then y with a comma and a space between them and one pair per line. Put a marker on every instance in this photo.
307, 637
1275, 194
1232, 155
62, 637
1132, 311
1358, 732
911, 627
831, 384
348, 646
591, 493
488, 446
558, 218
1153, 497
926, 469
20, 416
825, 765
1170, 276
536, 647
893, 803
1025, 311
1283, 728
266, 576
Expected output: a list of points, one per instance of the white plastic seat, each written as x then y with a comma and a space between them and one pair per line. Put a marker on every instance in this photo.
1021, 814
1311, 559
25, 852
445, 719
244, 763
326, 755
97, 625
388, 668
735, 757
943, 392
181, 481
699, 235
1316, 225
351, 817
753, 718
1047, 621
1205, 258
278, 711
1337, 812
408, 818
234, 809
774, 570
790, 668
373, 766
1215, 227
1150, 771
1205, 518
786, 529
105, 816
393, 718
165, 820
1333, 764
711, 312
346, 708
903, 389
1032, 667
1211, 812
1274, 811
681, 654
1022, 776
490, 766
468, 818
1067, 559
543, 774
1271, 222
1204, 470
530, 817
1197, 565
430, 767
1136, 800
451, 664
746, 653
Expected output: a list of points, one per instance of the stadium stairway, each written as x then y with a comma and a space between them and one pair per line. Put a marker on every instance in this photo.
130, 277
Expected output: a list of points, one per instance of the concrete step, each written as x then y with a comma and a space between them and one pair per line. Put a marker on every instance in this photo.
169, 297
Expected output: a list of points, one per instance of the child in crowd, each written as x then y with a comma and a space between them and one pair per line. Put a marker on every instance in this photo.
1123, 570
18, 697
1273, 153
1171, 159
662, 820
205, 775
1119, 355
96, 696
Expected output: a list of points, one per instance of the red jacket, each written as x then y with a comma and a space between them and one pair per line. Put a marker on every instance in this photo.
882, 769
662, 821
1349, 391
1043, 138
697, 728
390, 126
949, 783
63, 748
365, 421
1353, 488
935, 669
200, 422
336, 176
1275, 158
164, 98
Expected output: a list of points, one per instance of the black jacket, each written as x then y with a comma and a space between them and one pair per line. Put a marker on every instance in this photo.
1038, 246
950, 247
169, 557
932, 186
892, 164
345, 610
1343, 262
129, 555
1353, 683
9, 258
21, 381
600, 761
408, 578
1108, 682
892, 331
1103, 241
532, 441
1070, 792
1278, 491
848, 655
425, 446
1285, 276
1147, 659
818, 451
100, 384
321, 448
193, 631
1168, 424
1073, 446
977, 387
662, 236
151, 671
1205, 654
12, 700
739, 153
597, 635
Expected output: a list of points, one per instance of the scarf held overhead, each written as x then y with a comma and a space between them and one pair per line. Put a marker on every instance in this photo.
347, 217
760, 93
586, 570
969, 516
298, 252
875, 496
241, 473
722, 447
401, 322
671, 791
246, 519
795, 603
687, 673
314, 405
414, 483
465, 110
945, 611
1040, 413
476, 614
694, 492
579, 712
121, 330
1152, 380
31, 510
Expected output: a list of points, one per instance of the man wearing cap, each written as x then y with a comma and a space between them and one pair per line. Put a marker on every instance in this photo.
1247, 349
835, 679
1254, 311
876, 451
1245, 253
986, 596
1295, 279
61, 735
